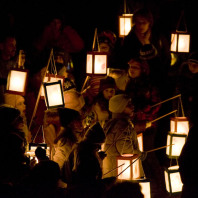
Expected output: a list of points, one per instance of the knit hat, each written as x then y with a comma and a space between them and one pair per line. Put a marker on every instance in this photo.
147, 52
107, 82
118, 103
11, 99
95, 134
67, 116
73, 100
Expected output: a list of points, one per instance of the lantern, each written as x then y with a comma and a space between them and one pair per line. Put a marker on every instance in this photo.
17, 81
180, 42
173, 180
176, 142
128, 167
96, 63
51, 78
125, 24
140, 141
179, 125
54, 94
145, 188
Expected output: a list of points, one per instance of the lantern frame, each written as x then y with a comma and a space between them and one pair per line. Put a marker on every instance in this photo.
171, 143
175, 125
47, 79
10, 76
168, 179
92, 57
46, 94
176, 44
124, 27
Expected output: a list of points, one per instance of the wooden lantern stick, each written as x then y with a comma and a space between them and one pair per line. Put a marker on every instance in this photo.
163, 116
166, 100
114, 169
158, 148
39, 93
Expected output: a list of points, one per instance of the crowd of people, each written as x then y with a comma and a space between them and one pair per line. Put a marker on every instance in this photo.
97, 124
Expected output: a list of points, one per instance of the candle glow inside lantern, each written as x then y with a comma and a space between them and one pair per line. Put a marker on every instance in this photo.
179, 125
125, 24
17, 81
180, 42
96, 63
173, 180
54, 94
145, 188
176, 142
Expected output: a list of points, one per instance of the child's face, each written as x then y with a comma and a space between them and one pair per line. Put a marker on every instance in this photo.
193, 67
134, 69
108, 93
142, 25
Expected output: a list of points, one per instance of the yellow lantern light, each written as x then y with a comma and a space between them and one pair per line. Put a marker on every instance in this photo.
140, 141
17, 81
180, 42
51, 78
173, 180
54, 94
145, 188
96, 63
179, 125
176, 142
125, 24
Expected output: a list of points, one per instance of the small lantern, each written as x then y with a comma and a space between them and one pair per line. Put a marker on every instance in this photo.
131, 164
54, 94
173, 180
125, 24
176, 142
51, 78
180, 42
140, 141
96, 63
17, 81
145, 188
179, 125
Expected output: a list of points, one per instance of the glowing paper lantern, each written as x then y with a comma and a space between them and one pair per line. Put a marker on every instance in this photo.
145, 188
125, 24
180, 42
173, 180
140, 141
54, 94
179, 125
17, 81
176, 142
96, 63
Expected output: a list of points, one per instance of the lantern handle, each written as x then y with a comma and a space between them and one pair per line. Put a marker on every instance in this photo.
95, 40
39, 93
156, 149
113, 169
163, 116
182, 15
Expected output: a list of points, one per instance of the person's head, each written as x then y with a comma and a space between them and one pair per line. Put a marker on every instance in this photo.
121, 104
137, 67
8, 47
16, 101
143, 20
193, 62
107, 87
107, 41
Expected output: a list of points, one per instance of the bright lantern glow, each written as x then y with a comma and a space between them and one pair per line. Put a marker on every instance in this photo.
96, 63
17, 81
179, 125
126, 175
180, 42
177, 142
125, 24
145, 189
173, 179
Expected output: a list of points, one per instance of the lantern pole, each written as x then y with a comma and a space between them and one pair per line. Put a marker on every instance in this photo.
114, 169
39, 93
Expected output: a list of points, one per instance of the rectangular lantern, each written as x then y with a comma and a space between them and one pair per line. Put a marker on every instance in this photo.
17, 81
51, 78
176, 142
179, 125
54, 94
180, 42
96, 63
125, 24
173, 180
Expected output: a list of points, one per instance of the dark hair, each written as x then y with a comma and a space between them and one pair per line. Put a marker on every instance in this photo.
145, 13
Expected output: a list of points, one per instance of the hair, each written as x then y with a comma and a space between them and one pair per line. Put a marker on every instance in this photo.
145, 13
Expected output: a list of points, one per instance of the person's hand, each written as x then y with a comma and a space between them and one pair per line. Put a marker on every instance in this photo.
148, 124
